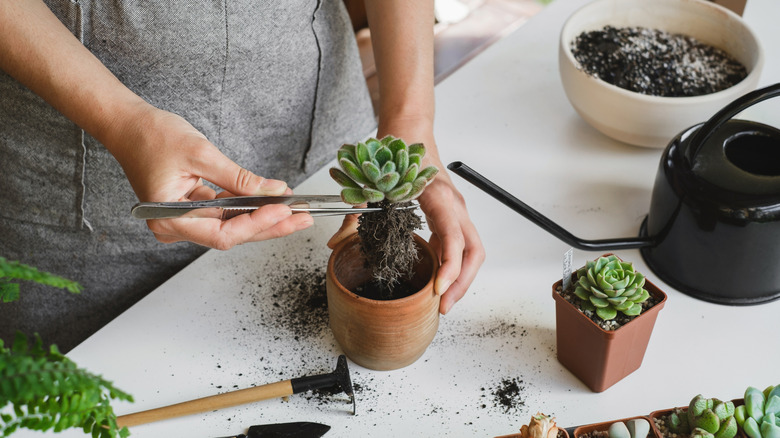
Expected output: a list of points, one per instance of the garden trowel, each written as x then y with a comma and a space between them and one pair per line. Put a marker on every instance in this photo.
301, 429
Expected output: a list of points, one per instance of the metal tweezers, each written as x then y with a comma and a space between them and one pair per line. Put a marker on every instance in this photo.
226, 208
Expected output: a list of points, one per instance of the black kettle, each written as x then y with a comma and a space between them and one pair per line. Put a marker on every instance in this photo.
713, 228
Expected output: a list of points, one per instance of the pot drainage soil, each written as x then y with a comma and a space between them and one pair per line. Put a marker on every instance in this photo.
655, 62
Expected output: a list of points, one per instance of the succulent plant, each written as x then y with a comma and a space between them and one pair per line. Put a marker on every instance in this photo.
706, 418
375, 170
634, 428
759, 417
609, 285
541, 426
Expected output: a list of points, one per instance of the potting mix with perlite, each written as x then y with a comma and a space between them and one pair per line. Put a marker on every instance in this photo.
655, 62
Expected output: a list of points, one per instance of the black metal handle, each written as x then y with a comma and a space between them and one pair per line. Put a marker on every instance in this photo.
539, 219
710, 126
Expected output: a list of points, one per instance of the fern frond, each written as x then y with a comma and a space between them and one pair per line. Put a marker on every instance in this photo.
44, 390
13, 270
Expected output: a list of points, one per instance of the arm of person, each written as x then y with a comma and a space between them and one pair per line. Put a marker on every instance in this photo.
402, 39
163, 156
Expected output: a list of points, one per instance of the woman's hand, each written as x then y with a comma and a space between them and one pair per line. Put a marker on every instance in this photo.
453, 235
166, 159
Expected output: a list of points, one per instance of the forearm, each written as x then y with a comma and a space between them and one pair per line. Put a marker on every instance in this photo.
39, 51
402, 39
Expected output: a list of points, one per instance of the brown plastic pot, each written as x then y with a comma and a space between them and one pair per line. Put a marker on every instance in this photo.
381, 334
601, 358
664, 412
604, 426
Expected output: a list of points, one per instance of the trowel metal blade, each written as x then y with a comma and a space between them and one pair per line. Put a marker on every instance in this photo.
301, 429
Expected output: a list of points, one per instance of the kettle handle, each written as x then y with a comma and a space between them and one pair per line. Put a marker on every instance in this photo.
740, 104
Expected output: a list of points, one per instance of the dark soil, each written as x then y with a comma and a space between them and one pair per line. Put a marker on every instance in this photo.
387, 241
655, 62
375, 290
508, 395
613, 324
595, 434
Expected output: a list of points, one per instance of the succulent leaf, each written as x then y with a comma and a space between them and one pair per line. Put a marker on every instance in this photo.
400, 193
411, 174
383, 155
348, 153
353, 196
397, 145
401, 161
362, 153
371, 171
388, 167
373, 195
429, 172
608, 282
387, 182
417, 149
353, 171
384, 166
343, 179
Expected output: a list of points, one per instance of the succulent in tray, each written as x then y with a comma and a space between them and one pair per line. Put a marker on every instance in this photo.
634, 428
706, 418
609, 285
385, 173
541, 426
759, 417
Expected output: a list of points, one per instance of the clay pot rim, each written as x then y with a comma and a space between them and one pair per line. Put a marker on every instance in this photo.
422, 243
653, 290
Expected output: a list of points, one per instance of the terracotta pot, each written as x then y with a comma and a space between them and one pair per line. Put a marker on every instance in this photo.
604, 426
601, 358
381, 334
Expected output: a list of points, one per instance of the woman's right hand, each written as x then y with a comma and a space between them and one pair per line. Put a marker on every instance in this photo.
166, 159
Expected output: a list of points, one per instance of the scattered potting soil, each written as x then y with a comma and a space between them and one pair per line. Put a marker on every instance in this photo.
386, 239
301, 299
655, 62
508, 395
613, 324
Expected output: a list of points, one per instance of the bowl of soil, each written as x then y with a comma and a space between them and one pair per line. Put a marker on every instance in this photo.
643, 71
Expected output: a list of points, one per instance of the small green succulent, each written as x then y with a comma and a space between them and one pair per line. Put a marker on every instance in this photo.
609, 285
377, 170
706, 418
635, 428
759, 417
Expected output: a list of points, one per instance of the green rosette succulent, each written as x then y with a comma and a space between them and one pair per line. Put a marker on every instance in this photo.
759, 417
609, 285
378, 170
706, 418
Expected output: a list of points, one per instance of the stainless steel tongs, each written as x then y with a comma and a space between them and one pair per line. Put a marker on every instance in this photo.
226, 208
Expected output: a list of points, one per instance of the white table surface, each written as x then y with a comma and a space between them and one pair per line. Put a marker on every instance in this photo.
224, 322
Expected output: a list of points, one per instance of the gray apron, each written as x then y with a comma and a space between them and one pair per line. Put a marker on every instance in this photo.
276, 85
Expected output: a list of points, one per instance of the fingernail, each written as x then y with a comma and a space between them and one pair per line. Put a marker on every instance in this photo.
272, 187
441, 286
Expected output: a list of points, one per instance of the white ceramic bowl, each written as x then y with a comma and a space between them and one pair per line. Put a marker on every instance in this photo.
646, 120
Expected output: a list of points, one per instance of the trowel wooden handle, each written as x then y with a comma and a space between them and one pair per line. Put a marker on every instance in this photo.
210, 403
